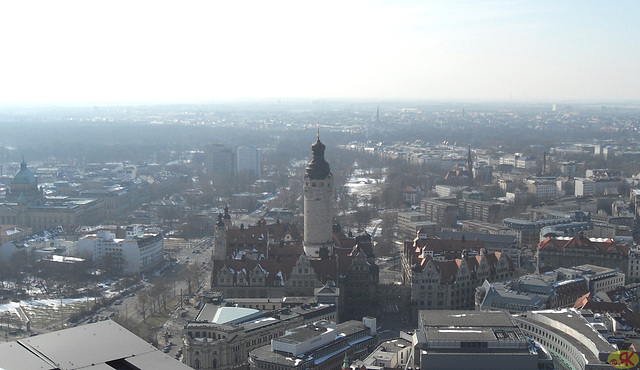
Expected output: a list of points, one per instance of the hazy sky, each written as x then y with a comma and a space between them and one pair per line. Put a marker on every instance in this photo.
119, 51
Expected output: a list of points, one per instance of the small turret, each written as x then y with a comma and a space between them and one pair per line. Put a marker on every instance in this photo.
220, 240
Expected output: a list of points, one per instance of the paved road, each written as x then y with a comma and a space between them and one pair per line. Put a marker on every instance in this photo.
390, 272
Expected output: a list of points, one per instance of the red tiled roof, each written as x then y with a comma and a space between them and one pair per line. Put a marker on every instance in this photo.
325, 270
582, 301
448, 270
601, 247
447, 245
585, 303
332, 268
285, 252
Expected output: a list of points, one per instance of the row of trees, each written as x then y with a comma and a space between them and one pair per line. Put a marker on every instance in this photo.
154, 298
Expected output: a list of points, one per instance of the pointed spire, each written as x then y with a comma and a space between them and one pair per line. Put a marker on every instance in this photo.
345, 363
318, 168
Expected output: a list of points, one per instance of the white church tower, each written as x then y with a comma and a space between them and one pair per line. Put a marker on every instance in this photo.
318, 204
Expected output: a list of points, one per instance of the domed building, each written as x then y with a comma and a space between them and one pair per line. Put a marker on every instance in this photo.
24, 177
26, 205
24, 186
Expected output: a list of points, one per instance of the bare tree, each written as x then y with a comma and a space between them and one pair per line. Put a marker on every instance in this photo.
192, 276
161, 292
143, 303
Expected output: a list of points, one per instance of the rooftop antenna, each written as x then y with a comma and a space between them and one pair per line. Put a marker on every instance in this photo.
318, 132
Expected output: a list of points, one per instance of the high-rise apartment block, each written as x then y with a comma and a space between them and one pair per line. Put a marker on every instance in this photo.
248, 161
221, 163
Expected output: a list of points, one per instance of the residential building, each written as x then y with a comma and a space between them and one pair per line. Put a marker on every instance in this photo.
248, 161
596, 185
584, 186
220, 163
480, 227
469, 209
503, 243
568, 168
519, 161
544, 190
446, 191
443, 212
412, 195
141, 252
410, 222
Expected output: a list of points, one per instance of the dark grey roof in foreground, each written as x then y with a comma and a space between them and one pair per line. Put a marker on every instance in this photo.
92, 345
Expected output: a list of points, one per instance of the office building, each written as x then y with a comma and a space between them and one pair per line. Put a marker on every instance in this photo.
474, 340
443, 212
220, 164
141, 252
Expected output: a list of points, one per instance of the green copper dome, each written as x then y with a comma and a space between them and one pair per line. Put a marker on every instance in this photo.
24, 176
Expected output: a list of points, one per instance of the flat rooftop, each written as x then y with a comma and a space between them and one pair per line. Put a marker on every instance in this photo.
463, 326
98, 346
303, 333
574, 320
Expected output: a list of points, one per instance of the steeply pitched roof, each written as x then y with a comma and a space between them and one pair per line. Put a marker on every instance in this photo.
586, 302
437, 245
577, 243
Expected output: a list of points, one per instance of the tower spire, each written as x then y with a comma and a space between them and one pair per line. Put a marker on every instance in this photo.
318, 203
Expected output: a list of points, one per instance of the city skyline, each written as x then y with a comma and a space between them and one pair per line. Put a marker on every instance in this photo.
161, 52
